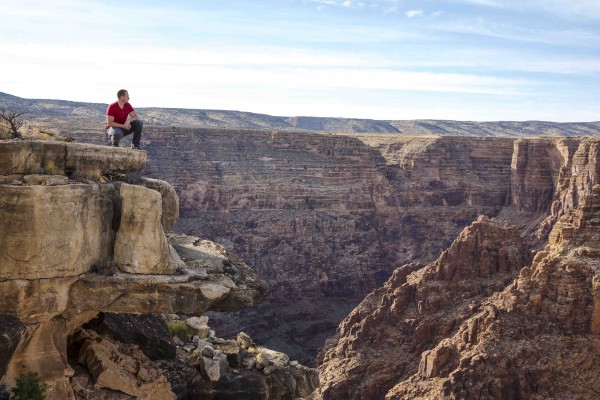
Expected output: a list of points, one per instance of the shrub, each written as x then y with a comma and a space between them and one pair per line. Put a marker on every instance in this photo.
28, 387
4, 392
52, 169
10, 123
181, 330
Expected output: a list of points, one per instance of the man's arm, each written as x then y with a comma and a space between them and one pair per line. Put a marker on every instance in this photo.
110, 121
133, 116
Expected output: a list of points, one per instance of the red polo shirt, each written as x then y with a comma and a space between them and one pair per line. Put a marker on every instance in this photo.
120, 115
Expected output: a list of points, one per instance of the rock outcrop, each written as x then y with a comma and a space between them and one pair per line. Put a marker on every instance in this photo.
88, 242
383, 339
534, 336
114, 367
215, 368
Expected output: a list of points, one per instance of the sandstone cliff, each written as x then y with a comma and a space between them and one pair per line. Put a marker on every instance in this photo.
480, 322
79, 236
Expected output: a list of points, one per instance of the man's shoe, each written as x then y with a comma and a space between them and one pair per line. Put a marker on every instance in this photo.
133, 146
115, 145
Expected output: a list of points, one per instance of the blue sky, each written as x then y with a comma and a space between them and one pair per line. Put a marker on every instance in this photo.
483, 60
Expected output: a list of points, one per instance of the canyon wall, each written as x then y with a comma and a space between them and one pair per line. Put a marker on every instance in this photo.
326, 218
483, 321
475, 322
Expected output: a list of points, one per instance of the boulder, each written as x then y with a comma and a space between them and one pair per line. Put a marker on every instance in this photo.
123, 368
141, 246
199, 325
170, 201
53, 231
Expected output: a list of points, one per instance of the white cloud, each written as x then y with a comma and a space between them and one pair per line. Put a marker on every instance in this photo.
414, 13
486, 3
587, 9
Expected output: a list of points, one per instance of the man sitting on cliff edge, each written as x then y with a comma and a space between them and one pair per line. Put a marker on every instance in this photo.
117, 125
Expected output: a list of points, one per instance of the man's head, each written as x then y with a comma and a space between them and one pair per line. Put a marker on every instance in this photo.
123, 95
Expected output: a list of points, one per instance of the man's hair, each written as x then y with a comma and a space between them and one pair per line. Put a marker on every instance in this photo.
121, 93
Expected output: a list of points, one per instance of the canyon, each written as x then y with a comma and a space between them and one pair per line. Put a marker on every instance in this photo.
325, 219
404, 266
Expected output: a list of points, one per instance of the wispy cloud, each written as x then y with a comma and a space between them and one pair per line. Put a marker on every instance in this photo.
414, 13
355, 58
586, 9
486, 3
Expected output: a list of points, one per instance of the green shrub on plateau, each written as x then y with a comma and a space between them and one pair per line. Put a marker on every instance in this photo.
181, 330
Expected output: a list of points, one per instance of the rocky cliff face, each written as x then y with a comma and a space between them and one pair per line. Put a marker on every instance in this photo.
76, 238
325, 219
483, 321
537, 338
383, 340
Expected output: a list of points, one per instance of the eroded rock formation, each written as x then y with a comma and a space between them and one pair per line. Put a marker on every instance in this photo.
384, 338
215, 368
325, 219
86, 242
528, 330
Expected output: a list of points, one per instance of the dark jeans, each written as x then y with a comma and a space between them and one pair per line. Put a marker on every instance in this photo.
116, 134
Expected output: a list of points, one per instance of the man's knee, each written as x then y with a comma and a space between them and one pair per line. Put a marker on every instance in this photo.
116, 133
138, 123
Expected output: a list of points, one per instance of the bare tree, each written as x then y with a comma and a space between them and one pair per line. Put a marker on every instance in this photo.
12, 121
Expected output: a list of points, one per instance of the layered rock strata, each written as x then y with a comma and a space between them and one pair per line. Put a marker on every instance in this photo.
87, 243
383, 339
534, 336
327, 218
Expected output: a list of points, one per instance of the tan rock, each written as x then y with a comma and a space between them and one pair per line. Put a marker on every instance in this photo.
37, 300
57, 271
89, 161
52, 231
46, 180
141, 246
42, 351
245, 340
200, 325
212, 369
170, 201
134, 374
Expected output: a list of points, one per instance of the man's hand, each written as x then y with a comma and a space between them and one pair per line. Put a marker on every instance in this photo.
127, 126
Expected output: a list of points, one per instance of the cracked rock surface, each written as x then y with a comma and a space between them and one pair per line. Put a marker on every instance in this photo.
81, 234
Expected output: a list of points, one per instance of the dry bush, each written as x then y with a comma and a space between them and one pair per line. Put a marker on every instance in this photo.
10, 123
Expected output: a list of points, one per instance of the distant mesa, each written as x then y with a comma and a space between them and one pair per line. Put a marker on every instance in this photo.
90, 116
